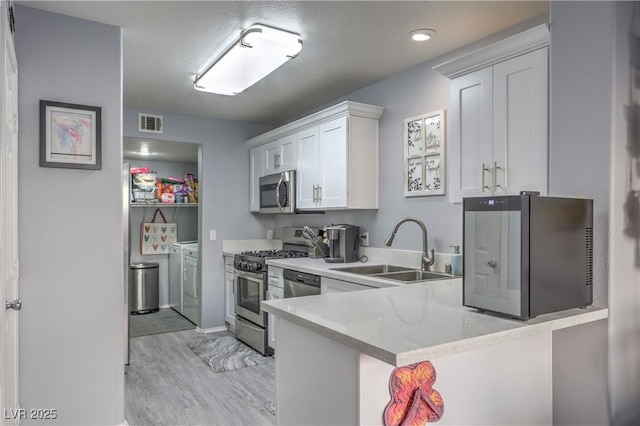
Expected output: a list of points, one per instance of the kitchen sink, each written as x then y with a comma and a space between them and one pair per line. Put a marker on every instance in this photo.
372, 269
414, 276
393, 272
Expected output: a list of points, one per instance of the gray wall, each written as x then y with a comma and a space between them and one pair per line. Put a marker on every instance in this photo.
410, 93
71, 243
185, 217
624, 254
580, 116
223, 193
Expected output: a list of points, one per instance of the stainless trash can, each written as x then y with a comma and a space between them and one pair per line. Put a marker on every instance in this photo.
144, 294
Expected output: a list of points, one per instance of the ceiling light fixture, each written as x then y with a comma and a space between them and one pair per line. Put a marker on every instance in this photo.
144, 150
255, 54
423, 34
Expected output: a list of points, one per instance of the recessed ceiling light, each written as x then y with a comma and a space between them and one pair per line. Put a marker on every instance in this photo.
144, 150
422, 34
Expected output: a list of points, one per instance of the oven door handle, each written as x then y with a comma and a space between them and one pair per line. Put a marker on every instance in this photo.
248, 276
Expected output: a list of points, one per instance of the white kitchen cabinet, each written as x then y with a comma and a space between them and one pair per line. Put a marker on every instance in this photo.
498, 118
337, 165
280, 155
331, 285
229, 289
275, 280
336, 153
256, 171
307, 172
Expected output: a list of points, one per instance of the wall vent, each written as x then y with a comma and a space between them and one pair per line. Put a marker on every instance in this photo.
149, 123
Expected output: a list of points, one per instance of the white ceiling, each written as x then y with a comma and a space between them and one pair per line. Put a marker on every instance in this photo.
347, 46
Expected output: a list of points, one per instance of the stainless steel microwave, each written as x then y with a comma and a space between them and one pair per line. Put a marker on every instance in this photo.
527, 255
278, 193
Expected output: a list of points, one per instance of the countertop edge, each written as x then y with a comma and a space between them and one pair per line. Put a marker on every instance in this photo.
536, 326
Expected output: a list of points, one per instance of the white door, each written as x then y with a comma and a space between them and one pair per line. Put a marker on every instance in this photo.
8, 223
271, 152
287, 154
520, 123
230, 292
470, 133
257, 162
275, 293
333, 163
190, 299
307, 170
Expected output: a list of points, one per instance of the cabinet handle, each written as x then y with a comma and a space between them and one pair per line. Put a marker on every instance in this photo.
278, 161
484, 169
315, 193
319, 193
495, 175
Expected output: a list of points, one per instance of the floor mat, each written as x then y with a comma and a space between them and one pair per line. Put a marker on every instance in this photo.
163, 321
226, 353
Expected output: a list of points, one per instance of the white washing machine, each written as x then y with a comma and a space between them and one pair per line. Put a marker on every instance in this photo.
176, 273
190, 298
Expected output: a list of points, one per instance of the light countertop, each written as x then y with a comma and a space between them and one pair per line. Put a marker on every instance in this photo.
407, 323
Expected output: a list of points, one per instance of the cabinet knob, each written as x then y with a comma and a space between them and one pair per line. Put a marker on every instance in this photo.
492, 263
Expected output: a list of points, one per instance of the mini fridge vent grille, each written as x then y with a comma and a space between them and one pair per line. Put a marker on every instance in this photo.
589, 253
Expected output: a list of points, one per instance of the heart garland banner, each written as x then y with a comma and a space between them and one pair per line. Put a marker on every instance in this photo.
156, 237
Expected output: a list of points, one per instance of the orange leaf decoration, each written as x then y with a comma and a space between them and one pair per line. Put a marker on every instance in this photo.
413, 400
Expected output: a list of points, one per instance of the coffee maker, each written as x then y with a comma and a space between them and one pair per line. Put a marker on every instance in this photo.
343, 243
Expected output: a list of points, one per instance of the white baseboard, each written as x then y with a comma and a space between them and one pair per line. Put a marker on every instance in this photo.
211, 330
164, 306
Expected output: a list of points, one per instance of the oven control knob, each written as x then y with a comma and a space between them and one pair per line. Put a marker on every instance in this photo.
253, 266
244, 264
258, 267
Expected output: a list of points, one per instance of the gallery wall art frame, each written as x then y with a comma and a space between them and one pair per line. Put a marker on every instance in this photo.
424, 154
70, 135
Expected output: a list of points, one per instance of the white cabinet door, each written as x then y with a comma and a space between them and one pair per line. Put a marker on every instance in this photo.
307, 168
280, 155
520, 123
470, 132
333, 156
256, 170
287, 153
330, 285
498, 129
275, 293
190, 297
175, 278
271, 152
230, 293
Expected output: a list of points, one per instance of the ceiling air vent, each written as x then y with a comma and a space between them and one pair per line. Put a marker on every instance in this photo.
149, 123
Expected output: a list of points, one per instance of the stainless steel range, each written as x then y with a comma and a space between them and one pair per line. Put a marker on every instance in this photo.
251, 287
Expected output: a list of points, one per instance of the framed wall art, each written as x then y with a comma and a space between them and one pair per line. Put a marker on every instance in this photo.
70, 136
424, 149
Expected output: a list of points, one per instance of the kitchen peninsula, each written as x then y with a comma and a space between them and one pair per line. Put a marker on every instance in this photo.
335, 353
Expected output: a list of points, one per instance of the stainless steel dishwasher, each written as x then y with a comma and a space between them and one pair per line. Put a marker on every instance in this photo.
298, 284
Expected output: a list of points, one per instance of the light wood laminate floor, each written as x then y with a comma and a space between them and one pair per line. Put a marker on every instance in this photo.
167, 384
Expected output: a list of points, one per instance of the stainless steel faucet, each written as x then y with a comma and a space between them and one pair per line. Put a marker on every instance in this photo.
427, 260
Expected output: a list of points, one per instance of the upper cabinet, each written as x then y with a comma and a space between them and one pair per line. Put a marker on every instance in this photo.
498, 117
280, 155
336, 152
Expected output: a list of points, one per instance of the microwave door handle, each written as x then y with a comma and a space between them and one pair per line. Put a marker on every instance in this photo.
278, 193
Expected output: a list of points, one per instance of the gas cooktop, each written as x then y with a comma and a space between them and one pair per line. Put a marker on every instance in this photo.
254, 261
274, 254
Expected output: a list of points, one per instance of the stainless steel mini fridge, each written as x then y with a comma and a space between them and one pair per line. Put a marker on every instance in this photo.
527, 255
